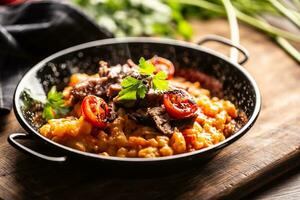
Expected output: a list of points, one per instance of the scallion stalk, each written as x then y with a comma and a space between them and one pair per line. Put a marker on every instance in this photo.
285, 45
286, 12
234, 29
281, 36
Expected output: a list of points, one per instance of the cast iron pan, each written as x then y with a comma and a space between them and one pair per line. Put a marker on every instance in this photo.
237, 86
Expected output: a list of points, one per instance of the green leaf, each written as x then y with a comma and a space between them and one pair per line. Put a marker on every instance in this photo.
48, 112
141, 91
161, 75
128, 94
129, 81
160, 82
146, 67
132, 89
28, 101
55, 105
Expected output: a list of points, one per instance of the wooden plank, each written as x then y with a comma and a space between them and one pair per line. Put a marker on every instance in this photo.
286, 187
271, 148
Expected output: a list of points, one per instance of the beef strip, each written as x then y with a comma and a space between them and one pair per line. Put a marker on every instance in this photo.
108, 85
139, 115
91, 86
116, 73
161, 119
113, 90
154, 98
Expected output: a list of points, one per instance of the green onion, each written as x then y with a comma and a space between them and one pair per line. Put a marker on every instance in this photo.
285, 11
280, 36
234, 29
288, 48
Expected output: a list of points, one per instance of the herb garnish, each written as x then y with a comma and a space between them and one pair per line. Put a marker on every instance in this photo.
133, 88
55, 105
146, 67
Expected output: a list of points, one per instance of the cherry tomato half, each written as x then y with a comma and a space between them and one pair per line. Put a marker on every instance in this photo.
95, 110
179, 105
163, 64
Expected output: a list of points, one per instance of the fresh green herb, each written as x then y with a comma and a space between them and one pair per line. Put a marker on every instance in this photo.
133, 88
27, 100
251, 12
146, 67
55, 105
160, 82
32, 109
48, 112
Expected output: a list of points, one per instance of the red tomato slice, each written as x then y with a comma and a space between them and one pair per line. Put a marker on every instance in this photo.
165, 65
95, 110
179, 105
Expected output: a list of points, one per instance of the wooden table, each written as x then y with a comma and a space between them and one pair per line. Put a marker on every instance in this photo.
270, 149
285, 187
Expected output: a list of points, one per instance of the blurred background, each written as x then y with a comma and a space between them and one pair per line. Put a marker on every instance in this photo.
277, 19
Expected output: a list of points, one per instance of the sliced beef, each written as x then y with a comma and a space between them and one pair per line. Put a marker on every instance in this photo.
115, 73
113, 90
140, 115
161, 119
154, 98
92, 86
108, 85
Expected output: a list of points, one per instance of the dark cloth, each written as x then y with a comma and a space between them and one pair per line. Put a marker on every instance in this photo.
32, 31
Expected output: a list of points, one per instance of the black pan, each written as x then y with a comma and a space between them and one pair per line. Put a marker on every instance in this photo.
237, 86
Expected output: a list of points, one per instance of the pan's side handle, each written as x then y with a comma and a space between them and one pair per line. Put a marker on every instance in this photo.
12, 139
215, 38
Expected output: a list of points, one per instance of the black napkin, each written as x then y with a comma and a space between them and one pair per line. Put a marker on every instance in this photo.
31, 31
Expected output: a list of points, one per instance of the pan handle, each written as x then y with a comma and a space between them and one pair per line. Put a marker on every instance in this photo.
216, 38
12, 140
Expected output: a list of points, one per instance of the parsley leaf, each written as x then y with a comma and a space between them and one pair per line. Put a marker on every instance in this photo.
28, 101
129, 81
128, 94
146, 67
132, 89
160, 82
48, 112
142, 90
55, 105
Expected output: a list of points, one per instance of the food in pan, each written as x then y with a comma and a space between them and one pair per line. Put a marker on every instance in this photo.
140, 110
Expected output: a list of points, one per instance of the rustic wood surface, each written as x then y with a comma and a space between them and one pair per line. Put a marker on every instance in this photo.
270, 149
285, 188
